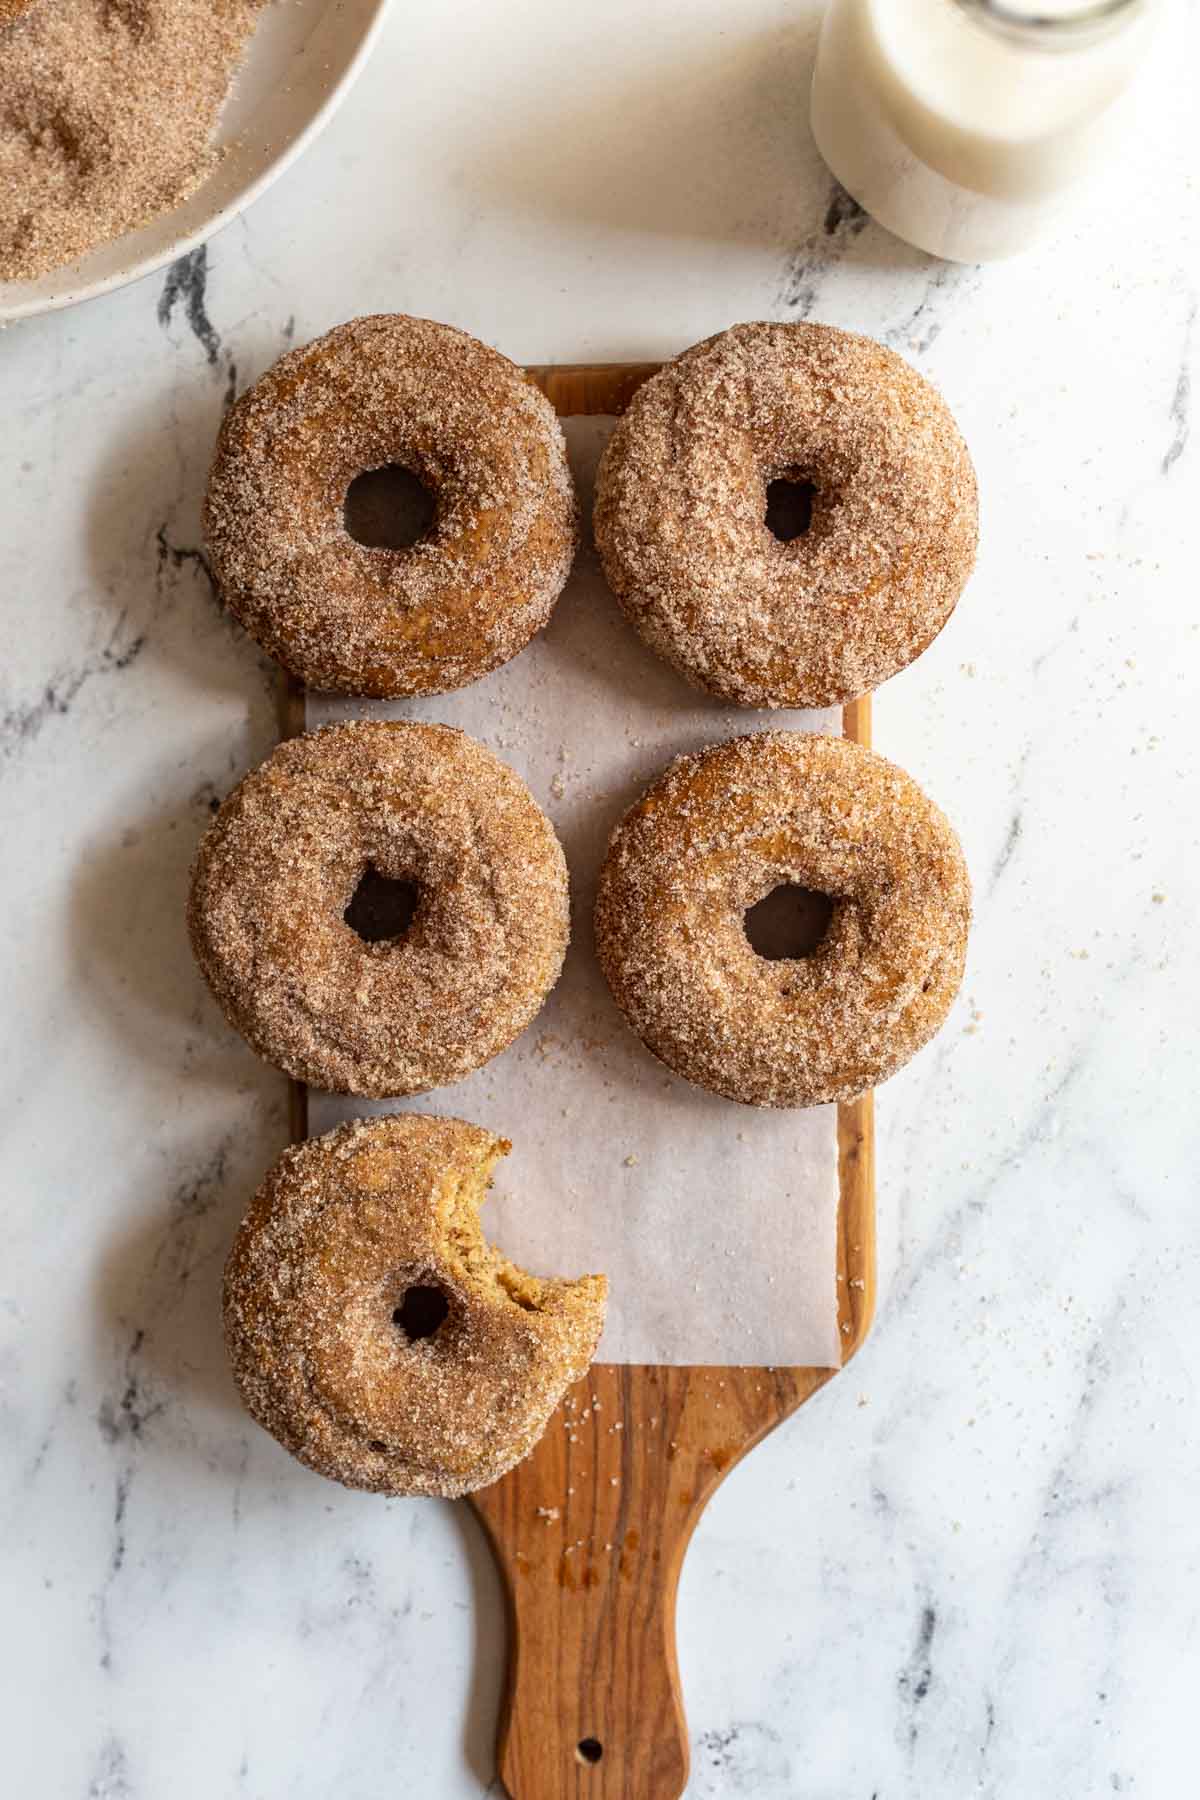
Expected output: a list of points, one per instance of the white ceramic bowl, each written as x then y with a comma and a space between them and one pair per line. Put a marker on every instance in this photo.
302, 60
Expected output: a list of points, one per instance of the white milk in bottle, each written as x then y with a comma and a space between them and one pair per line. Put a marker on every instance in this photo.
962, 125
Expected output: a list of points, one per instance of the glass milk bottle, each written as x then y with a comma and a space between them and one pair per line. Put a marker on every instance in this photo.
963, 125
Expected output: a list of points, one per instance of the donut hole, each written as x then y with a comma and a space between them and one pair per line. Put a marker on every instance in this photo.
388, 508
589, 1750
789, 509
789, 923
421, 1313
381, 910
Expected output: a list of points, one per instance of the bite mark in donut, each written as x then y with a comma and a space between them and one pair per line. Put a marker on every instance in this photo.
343, 1229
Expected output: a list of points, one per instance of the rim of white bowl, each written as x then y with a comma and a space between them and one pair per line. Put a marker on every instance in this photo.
13, 307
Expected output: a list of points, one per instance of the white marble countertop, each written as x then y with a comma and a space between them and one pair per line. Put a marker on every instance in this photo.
970, 1565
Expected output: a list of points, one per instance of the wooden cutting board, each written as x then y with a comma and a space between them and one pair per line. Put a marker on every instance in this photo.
590, 1530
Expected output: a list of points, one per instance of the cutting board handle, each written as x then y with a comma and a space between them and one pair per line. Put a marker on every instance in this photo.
590, 1534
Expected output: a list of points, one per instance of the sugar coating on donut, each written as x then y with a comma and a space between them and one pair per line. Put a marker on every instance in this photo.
487, 445
341, 1229
718, 832
681, 503
280, 864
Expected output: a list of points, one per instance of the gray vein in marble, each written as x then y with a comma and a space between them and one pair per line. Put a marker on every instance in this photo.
920, 329
974, 1204
111, 1779
1181, 400
237, 1476
1043, 657
70, 1396
737, 1759
21, 724
263, 270
358, 1593
171, 560
192, 1200
1063, 1497
186, 284
916, 1677
1056, 1546
121, 1423
1012, 838
128, 1416
820, 252
124, 1415
116, 1561
179, 556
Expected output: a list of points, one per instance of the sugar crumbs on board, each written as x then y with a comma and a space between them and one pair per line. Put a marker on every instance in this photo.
107, 112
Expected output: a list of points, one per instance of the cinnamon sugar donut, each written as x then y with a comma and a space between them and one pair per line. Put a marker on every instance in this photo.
482, 440
375, 1334
280, 864
681, 508
718, 832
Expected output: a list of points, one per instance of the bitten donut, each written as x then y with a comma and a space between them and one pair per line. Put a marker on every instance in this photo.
681, 514
375, 1334
720, 831
482, 440
421, 805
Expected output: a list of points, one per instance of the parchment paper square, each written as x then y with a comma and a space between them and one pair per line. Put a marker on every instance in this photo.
715, 1223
